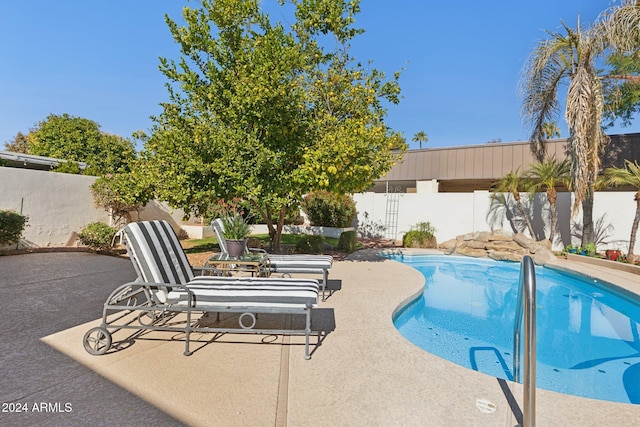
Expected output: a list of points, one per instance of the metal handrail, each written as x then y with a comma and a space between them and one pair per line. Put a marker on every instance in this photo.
526, 307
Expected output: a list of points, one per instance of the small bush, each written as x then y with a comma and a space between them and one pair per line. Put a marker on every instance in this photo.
422, 236
310, 244
329, 209
347, 241
12, 225
97, 236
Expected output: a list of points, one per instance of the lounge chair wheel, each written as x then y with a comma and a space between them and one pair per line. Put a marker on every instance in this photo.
97, 341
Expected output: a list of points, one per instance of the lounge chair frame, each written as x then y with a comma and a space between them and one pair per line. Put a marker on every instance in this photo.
286, 265
154, 306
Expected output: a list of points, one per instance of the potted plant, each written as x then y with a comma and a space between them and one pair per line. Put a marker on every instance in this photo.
236, 230
589, 249
236, 227
613, 254
571, 249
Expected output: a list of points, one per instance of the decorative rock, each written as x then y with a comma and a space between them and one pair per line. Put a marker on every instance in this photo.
477, 253
500, 235
503, 246
505, 256
523, 240
449, 244
477, 244
543, 257
483, 236
500, 245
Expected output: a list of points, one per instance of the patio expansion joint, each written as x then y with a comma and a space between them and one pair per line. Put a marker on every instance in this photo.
282, 405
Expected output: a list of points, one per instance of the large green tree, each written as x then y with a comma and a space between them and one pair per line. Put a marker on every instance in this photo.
81, 140
571, 58
268, 111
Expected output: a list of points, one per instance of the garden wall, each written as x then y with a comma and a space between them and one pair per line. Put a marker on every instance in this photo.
60, 205
453, 214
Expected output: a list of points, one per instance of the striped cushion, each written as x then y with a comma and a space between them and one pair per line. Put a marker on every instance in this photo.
156, 253
300, 263
249, 292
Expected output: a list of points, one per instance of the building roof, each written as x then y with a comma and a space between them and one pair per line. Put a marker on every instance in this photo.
30, 161
475, 167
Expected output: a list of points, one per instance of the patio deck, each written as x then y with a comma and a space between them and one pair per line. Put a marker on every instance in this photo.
364, 373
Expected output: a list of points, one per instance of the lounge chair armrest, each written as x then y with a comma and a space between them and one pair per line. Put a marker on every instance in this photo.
258, 250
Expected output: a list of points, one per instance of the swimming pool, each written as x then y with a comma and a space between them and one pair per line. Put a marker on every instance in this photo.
588, 335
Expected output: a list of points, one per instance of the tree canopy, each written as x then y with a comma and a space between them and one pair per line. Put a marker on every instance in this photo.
268, 111
79, 140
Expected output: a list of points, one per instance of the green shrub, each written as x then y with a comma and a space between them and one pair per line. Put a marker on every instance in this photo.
97, 236
347, 241
420, 236
12, 225
329, 209
310, 244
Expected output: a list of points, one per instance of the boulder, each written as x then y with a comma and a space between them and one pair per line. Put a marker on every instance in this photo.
477, 244
523, 240
543, 257
505, 256
476, 253
501, 235
503, 246
500, 245
449, 244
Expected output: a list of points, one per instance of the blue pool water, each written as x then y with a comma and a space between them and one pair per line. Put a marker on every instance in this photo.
588, 335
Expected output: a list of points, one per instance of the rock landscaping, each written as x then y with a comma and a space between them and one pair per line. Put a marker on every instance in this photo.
499, 245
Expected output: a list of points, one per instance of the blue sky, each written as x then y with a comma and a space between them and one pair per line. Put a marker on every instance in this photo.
462, 61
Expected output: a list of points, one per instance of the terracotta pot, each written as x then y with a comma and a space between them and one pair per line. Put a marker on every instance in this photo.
612, 254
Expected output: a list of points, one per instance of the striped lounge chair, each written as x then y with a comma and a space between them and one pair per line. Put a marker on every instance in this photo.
167, 287
286, 264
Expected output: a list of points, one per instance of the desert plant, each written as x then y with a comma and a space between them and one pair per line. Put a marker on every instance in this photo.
347, 241
329, 209
421, 236
97, 236
310, 244
12, 225
590, 248
235, 227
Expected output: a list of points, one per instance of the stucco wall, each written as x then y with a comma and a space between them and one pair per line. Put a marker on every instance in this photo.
453, 214
60, 205
57, 204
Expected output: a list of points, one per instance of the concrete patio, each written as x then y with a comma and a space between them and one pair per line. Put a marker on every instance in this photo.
364, 373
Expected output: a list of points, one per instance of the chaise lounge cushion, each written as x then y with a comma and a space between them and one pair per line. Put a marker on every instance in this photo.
237, 292
300, 263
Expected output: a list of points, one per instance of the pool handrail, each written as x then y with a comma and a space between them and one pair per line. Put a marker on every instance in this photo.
526, 307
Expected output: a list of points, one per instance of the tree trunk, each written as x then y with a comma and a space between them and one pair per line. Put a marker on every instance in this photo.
552, 196
588, 234
634, 227
526, 219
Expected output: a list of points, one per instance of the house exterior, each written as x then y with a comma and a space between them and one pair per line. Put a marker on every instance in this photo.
450, 188
476, 167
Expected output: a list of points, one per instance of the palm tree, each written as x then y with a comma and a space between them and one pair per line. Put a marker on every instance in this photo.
550, 130
628, 175
420, 137
571, 58
512, 183
549, 174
